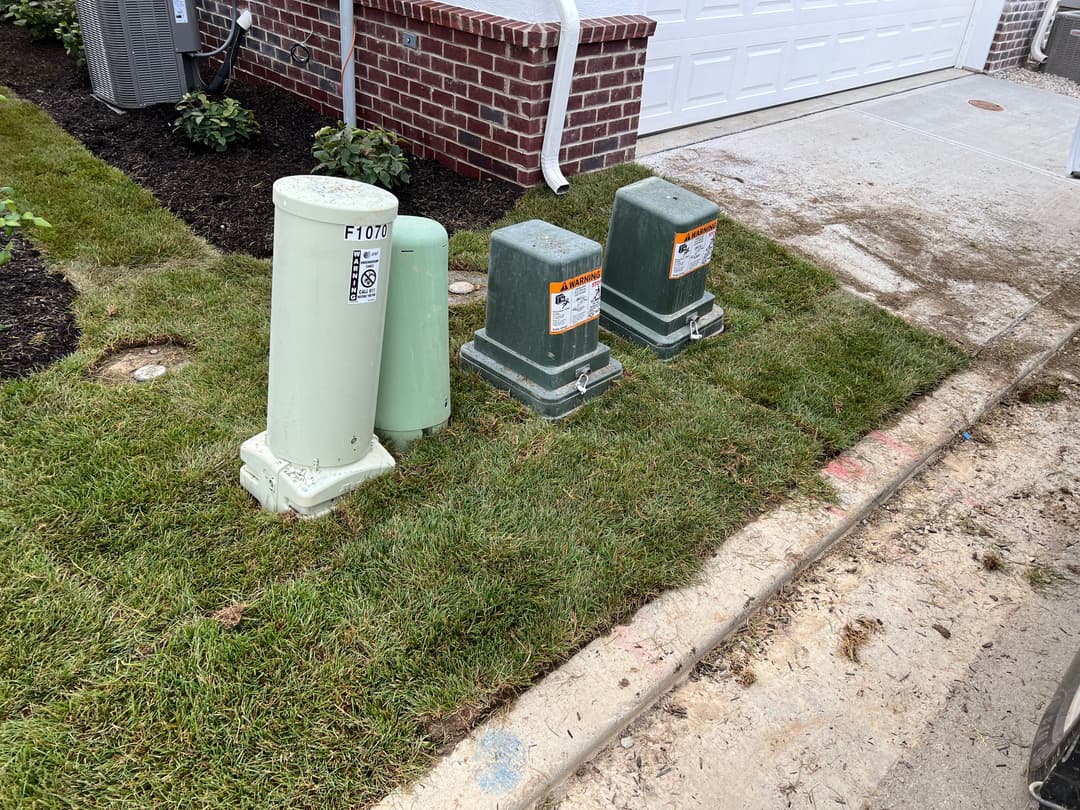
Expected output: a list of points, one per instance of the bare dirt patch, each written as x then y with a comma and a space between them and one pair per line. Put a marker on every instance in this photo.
154, 358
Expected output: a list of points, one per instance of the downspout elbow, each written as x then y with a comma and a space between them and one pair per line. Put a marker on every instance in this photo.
565, 57
1037, 52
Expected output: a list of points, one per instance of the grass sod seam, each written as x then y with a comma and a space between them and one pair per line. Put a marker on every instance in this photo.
496, 549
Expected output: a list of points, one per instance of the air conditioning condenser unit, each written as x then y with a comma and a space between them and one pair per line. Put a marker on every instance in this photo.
1063, 46
139, 52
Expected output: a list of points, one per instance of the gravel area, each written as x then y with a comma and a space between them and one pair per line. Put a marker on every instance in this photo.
1044, 81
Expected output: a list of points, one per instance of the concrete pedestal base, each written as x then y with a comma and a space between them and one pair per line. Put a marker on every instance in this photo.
551, 400
281, 486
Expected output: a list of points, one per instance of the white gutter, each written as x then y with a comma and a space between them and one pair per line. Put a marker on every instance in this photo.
347, 26
1041, 32
565, 56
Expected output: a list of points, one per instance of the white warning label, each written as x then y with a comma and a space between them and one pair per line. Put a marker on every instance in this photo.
692, 250
574, 301
364, 276
179, 10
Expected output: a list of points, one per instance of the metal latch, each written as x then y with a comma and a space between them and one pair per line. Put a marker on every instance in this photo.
582, 379
692, 322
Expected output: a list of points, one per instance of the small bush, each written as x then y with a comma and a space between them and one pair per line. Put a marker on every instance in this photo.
12, 218
370, 155
213, 123
41, 18
70, 35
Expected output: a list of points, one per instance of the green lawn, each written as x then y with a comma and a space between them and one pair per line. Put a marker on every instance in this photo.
498, 548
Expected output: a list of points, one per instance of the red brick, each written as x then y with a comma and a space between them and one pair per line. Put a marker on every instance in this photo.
481, 60
481, 95
493, 81
466, 73
584, 84
455, 53
538, 73
506, 137
581, 117
507, 104
464, 105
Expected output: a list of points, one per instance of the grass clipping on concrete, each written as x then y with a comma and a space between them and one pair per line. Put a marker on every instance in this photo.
164, 642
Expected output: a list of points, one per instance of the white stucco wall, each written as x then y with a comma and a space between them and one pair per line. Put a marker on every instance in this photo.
547, 11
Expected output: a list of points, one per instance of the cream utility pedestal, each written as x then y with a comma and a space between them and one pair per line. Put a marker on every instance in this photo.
328, 305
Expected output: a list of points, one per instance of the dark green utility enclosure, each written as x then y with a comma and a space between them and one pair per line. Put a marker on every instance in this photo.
540, 340
659, 246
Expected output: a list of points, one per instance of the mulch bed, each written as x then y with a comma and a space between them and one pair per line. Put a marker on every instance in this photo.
37, 326
225, 198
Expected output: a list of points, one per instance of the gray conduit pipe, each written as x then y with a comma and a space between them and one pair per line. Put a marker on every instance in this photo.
347, 26
565, 56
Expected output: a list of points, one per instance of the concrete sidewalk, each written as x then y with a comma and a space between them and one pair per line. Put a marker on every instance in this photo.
952, 216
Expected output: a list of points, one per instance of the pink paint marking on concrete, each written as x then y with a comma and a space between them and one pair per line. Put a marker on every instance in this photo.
845, 468
894, 443
837, 512
644, 650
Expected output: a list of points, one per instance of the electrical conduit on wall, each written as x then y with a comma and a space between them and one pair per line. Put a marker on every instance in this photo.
565, 57
347, 28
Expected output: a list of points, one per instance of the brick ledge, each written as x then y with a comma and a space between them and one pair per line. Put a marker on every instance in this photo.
516, 32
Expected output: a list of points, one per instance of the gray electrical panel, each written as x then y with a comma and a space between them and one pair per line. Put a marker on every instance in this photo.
138, 51
1063, 46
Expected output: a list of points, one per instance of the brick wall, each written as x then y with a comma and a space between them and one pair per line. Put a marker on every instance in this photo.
473, 94
1012, 42
278, 25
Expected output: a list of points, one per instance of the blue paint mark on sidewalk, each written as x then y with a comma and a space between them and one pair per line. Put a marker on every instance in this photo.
499, 762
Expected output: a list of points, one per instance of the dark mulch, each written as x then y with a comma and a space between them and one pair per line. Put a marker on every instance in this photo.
37, 326
226, 198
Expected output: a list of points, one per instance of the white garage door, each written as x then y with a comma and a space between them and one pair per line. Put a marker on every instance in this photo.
711, 58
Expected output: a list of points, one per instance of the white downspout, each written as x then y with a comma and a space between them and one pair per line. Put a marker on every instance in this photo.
347, 26
565, 56
1037, 52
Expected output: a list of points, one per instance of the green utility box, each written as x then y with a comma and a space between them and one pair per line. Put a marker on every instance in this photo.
540, 341
659, 247
414, 381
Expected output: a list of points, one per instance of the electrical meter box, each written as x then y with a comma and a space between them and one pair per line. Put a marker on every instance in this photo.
659, 247
540, 340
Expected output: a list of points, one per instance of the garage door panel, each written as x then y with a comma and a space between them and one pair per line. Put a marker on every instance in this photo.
767, 52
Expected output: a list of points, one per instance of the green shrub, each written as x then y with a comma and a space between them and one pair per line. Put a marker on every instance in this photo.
213, 123
370, 155
41, 18
12, 218
70, 35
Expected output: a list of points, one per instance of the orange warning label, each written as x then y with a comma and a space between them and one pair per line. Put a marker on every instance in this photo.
574, 301
692, 250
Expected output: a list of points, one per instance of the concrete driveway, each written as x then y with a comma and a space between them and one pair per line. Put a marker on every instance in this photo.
952, 215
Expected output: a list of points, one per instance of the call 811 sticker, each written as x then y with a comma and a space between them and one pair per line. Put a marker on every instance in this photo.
692, 250
574, 301
364, 275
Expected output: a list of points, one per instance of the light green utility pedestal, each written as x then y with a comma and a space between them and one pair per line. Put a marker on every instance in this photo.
328, 301
659, 247
414, 382
540, 338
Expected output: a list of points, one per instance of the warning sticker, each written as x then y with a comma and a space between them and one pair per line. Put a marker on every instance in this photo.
364, 276
574, 301
179, 11
692, 250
